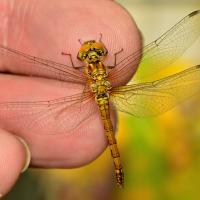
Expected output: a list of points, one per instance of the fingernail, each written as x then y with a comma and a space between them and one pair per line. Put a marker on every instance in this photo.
28, 155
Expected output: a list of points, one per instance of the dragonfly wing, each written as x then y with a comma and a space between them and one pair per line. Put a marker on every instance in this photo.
30, 65
162, 52
58, 116
154, 98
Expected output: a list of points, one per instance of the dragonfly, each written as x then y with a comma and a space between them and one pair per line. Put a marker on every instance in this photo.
141, 96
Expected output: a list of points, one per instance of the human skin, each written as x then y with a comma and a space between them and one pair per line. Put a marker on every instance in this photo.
44, 29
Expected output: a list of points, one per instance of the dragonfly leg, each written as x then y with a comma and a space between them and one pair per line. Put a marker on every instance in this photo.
115, 61
100, 39
80, 41
70, 56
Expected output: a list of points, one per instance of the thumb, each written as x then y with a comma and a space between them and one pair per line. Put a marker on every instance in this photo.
14, 159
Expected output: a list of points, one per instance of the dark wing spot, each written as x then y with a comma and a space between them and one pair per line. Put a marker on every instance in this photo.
198, 66
194, 13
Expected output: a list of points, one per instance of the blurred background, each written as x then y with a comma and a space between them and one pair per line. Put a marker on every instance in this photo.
161, 156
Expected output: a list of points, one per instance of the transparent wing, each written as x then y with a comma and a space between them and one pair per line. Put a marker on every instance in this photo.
154, 98
30, 65
162, 52
58, 116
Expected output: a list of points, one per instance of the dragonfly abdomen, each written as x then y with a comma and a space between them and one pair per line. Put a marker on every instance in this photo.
103, 104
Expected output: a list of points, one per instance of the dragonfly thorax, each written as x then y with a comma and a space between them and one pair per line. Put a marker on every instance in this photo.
98, 80
96, 71
100, 87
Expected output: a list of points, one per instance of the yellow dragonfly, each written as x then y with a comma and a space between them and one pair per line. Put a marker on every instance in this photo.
141, 97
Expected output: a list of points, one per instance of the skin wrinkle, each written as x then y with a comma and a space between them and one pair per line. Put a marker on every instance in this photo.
22, 15
46, 34
4, 22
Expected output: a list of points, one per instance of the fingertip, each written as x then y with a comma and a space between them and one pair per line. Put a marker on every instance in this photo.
27, 153
119, 31
12, 160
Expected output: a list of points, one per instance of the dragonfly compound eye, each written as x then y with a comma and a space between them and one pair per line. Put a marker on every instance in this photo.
82, 56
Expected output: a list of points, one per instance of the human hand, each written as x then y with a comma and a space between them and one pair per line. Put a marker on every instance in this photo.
45, 29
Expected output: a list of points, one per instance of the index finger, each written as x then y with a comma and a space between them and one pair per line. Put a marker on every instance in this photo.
45, 30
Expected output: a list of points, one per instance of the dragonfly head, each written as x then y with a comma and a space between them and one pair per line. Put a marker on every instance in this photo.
92, 52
